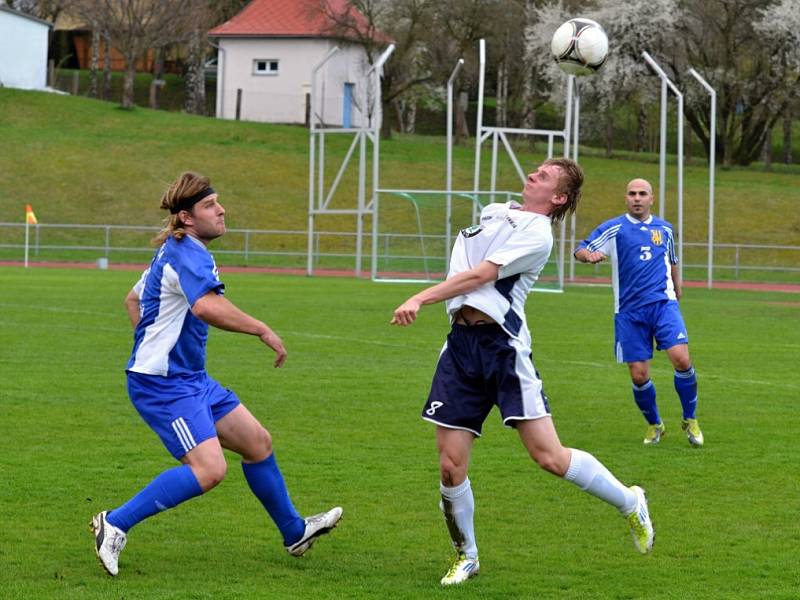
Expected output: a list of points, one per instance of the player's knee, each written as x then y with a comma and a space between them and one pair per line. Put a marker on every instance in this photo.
682, 363
211, 472
451, 472
640, 375
259, 445
550, 461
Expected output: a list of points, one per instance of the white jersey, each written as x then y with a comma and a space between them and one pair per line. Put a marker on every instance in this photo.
520, 243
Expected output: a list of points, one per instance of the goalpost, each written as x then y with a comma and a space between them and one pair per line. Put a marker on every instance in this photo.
413, 229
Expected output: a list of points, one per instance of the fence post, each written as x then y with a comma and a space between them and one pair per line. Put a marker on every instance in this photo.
108, 239
51, 73
238, 103
246, 246
736, 262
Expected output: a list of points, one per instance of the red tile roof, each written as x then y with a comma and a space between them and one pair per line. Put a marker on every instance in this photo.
288, 18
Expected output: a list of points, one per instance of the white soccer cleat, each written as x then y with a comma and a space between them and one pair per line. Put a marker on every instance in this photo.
640, 523
462, 569
315, 526
109, 542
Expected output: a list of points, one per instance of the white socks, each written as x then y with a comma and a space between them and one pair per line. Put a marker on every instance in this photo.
458, 507
591, 476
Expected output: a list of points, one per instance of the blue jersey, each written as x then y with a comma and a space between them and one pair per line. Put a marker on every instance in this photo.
642, 254
169, 339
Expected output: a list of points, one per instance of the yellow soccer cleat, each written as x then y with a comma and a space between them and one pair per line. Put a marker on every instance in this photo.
654, 434
462, 569
640, 523
692, 429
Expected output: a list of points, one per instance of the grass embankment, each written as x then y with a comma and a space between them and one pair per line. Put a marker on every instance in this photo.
83, 161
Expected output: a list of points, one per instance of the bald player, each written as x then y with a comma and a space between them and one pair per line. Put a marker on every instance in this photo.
641, 248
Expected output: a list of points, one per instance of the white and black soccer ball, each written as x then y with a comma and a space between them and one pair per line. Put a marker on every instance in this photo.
580, 46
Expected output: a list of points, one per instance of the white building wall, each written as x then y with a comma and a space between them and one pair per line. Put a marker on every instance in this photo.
281, 97
23, 52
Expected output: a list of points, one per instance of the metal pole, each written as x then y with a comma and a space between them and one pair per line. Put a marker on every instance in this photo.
568, 115
376, 154
662, 152
312, 160
449, 171
712, 151
27, 238
573, 217
680, 184
479, 123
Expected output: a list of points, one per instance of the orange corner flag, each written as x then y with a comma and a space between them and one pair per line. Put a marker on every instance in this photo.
30, 217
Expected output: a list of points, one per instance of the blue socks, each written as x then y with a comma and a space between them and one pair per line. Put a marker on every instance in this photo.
645, 397
167, 490
267, 483
686, 386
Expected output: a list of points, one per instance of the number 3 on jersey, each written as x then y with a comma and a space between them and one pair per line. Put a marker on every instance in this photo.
645, 253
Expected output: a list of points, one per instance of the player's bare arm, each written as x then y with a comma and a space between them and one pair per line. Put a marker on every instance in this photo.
462, 283
585, 256
220, 312
132, 308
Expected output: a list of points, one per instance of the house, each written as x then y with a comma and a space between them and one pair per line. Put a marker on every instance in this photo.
23, 50
265, 61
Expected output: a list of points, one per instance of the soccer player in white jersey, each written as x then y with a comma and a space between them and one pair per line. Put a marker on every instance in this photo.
171, 307
487, 359
646, 292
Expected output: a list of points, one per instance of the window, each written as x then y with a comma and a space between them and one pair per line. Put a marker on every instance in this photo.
265, 66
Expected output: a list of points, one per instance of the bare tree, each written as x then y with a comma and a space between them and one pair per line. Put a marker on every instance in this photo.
134, 27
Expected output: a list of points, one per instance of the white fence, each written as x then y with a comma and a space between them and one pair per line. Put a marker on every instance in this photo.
282, 248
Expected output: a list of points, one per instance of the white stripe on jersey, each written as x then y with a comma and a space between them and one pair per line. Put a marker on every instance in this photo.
601, 241
152, 355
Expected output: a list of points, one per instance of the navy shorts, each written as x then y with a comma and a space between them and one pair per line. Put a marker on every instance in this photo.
182, 410
635, 330
479, 367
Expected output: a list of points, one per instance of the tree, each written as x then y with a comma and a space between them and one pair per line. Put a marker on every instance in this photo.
749, 51
135, 26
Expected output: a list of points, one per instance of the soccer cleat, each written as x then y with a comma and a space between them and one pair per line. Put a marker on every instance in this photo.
462, 569
315, 526
108, 542
654, 434
640, 523
692, 429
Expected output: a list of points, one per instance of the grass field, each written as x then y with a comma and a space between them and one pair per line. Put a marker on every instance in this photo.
344, 416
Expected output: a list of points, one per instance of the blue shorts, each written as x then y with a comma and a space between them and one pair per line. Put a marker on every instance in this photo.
182, 409
479, 367
634, 330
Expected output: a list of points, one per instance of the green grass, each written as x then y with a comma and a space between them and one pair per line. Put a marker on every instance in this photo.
344, 416
84, 161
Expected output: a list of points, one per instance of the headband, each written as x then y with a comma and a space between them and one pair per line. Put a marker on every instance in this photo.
188, 203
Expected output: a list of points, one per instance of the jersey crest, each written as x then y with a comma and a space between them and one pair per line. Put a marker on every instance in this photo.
656, 237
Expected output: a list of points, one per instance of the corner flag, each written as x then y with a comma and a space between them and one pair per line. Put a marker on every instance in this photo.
30, 217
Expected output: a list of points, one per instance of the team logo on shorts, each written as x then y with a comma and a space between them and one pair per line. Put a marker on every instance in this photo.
656, 237
472, 231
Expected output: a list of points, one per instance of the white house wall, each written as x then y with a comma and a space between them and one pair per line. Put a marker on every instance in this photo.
281, 98
23, 52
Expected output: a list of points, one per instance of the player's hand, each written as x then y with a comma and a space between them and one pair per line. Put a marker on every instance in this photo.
595, 257
276, 343
406, 313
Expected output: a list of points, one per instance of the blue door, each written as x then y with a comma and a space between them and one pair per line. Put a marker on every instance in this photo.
347, 105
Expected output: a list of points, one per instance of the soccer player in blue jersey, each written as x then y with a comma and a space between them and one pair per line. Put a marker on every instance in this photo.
171, 307
646, 292
487, 359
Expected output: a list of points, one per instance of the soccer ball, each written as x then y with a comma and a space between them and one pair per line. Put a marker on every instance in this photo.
580, 46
